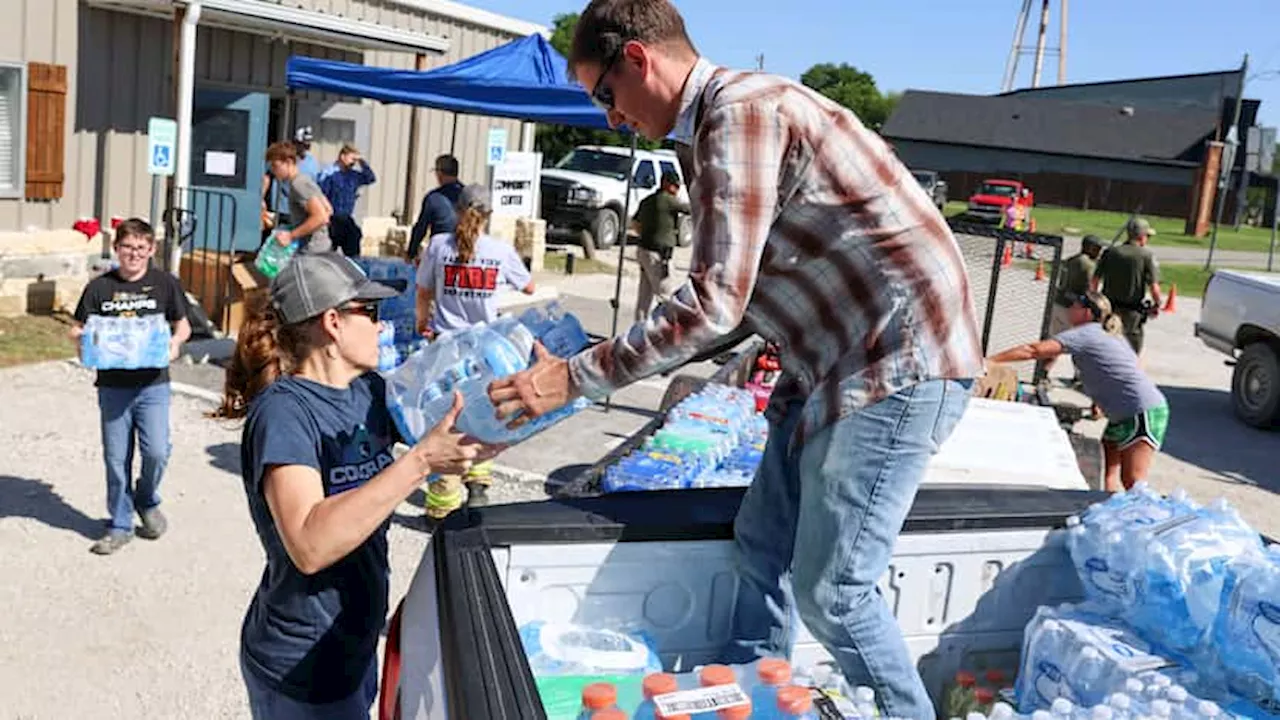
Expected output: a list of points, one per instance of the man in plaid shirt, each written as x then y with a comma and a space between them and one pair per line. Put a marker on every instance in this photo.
808, 229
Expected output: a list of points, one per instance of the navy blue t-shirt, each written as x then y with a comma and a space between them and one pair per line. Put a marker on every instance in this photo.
314, 637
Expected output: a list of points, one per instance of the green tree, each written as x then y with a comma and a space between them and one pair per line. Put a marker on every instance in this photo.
853, 89
555, 141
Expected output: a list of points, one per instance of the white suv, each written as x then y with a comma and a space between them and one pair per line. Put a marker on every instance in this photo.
586, 191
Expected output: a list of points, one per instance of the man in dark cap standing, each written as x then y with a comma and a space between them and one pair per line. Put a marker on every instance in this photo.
1126, 274
658, 220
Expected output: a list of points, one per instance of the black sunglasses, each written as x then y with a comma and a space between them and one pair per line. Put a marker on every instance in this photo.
602, 93
368, 308
1084, 301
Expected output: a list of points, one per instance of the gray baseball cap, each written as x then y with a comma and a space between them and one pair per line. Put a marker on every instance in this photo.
474, 196
311, 284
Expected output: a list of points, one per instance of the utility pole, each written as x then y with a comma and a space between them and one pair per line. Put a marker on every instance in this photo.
760, 62
1228, 162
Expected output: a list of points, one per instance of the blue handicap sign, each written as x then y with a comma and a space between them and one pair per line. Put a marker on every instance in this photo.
496, 154
160, 158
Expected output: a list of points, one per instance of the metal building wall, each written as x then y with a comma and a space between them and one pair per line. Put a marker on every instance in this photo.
42, 31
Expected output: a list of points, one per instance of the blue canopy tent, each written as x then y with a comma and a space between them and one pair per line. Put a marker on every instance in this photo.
525, 79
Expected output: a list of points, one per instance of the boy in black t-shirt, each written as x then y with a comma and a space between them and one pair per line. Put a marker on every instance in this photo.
134, 401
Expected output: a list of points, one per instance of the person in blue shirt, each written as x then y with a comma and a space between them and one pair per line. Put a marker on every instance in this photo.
341, 183
275, 195
437, 215
322, 482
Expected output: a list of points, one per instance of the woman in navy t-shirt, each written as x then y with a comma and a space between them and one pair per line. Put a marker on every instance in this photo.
322, 483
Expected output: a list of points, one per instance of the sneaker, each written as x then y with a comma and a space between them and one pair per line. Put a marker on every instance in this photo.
111, 542
477, 494
153, 524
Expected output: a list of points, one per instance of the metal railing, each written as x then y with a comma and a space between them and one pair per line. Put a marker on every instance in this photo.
200, 245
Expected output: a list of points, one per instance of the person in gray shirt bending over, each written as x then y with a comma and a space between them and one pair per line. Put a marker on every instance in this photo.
1137, 412
309, 210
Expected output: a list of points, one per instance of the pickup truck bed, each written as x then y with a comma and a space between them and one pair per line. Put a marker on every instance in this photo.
970, 568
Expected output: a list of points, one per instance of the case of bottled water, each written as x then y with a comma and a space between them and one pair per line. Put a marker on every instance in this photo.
1078, 654
125, 343
1247, 632
420, 391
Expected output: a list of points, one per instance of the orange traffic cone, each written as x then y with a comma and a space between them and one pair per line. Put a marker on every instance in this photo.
1007, 260
1171, 303
1040, 276
1032, 225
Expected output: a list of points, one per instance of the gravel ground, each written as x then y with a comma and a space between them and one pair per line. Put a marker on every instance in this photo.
153, 630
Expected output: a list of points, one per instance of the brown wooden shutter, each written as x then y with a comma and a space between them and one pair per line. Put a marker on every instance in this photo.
46, 130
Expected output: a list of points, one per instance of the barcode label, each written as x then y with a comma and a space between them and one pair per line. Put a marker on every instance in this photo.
707, 699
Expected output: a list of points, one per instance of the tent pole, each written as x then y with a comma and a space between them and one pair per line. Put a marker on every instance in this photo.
622, 249
453, 141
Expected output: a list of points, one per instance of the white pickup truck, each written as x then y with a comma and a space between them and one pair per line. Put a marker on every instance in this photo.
1240, 317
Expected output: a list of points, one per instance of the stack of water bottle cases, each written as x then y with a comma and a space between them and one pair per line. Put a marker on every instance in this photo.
1181, 617
399, 337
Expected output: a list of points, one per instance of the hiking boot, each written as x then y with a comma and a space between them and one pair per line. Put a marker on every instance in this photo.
111, 542
477, 494
153, 524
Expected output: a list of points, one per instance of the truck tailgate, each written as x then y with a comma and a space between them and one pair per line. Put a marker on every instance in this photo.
971, 567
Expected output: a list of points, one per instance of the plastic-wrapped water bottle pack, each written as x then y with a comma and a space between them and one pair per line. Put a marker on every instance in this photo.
420, 390
397, 313
713, 438
125, 343
1198, 593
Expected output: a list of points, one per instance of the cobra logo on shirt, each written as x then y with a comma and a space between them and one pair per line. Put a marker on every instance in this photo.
345, 477
360, 460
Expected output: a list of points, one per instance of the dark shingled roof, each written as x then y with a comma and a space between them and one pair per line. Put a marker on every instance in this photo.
1051, 126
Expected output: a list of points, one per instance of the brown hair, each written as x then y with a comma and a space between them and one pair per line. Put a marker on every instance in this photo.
284, 151
607, 25
471, 222
1111, 322
349, 149
265, 350
134, 227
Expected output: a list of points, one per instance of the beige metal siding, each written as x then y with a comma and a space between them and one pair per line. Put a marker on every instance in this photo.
42, 31
121, 73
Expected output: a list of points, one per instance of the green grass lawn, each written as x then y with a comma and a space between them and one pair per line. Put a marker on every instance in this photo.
1190, 279
34, 338
1069, 221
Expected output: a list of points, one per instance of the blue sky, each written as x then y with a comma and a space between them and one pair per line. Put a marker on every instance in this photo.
962, 46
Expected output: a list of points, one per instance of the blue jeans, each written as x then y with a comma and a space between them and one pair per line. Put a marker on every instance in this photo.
124, 413
268, 703
816, 531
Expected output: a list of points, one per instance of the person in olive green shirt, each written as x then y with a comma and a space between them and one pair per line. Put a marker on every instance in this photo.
1077, 274
1126, 273
658, 222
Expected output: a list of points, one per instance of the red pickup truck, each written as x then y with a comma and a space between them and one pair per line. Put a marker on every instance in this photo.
993, 197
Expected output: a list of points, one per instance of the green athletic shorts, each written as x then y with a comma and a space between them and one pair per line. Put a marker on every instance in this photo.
1148, 426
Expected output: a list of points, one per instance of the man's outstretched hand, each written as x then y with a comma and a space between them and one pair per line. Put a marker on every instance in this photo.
544, 387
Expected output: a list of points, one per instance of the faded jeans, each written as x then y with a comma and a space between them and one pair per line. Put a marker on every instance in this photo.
816, 532
126, 414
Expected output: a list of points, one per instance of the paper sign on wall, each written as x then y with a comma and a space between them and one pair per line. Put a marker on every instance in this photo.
515, 184
222, 164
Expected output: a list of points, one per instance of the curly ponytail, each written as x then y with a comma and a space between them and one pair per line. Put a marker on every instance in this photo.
265, 350
471, 222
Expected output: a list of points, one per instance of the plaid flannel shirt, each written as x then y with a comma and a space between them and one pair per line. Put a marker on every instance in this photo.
808, 227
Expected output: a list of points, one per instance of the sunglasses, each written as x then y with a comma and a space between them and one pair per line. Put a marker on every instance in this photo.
602, 93
367, 308
1085, 302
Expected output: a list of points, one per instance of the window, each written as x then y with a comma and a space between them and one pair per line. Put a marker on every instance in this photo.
668, 167
645, 177
46, 114
11, 130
